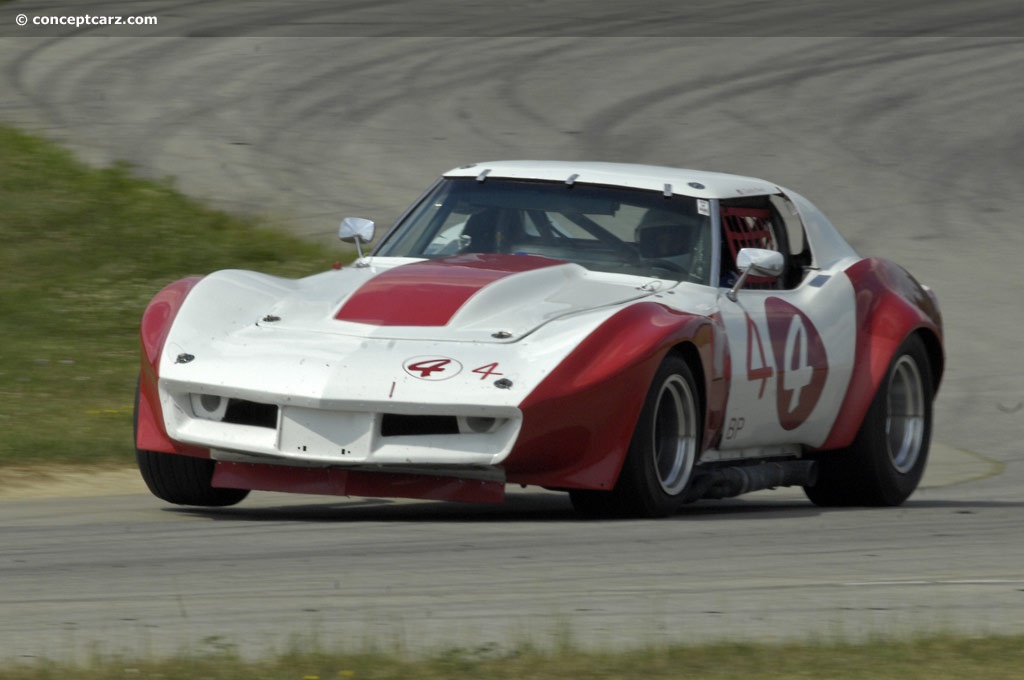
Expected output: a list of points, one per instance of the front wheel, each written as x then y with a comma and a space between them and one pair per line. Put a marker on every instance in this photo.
886, 461
662, 453
182, 480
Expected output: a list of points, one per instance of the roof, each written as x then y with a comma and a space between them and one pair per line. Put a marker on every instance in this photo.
679, 181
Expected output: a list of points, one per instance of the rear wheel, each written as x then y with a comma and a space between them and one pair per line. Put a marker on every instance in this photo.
664, 448
886, 461
183, 480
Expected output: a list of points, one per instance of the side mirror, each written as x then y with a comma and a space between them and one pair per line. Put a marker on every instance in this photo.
356, 230
756, 262
760, 262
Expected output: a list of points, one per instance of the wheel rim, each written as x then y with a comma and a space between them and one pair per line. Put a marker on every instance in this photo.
675, 435
905, 419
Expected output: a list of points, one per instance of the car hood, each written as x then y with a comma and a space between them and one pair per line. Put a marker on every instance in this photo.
478, 297
346, 338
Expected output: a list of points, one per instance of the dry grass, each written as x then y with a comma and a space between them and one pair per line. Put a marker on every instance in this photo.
931, 658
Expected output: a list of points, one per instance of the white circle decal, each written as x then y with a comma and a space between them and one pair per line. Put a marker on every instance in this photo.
432, 368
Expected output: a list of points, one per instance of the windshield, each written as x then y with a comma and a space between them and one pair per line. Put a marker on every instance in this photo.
605, 229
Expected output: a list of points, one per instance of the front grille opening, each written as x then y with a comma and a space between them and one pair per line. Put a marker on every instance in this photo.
242, 412
397, 425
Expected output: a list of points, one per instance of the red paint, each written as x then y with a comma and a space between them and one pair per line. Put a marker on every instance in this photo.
429, 293
432, 368
891, 305
798, 349
757, 363
340, 482
156, 324
488, 370
578, 423
718, 372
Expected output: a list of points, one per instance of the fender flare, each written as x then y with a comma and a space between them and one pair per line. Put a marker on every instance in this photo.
890, 306
150, 434
579, 421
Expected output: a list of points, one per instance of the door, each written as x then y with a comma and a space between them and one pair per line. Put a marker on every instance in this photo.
791, 349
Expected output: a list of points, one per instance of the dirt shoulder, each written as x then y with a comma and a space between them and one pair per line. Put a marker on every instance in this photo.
18, 483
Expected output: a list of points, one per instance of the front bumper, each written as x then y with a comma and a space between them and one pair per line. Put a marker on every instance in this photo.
266, 427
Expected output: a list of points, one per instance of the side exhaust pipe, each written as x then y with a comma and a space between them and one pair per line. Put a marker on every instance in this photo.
726, 482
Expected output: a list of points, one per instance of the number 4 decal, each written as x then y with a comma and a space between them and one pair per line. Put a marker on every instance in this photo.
432, 368
798, 373
488, 370
800, 360
442, 368
762, 371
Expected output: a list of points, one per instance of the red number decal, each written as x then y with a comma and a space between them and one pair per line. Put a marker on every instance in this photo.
432, 368
763, 371
487, 371
425, 368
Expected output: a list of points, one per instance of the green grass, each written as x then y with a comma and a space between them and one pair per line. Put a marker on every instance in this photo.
931, 658
81, 252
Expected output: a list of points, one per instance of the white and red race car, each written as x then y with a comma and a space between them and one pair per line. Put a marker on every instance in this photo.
637, 336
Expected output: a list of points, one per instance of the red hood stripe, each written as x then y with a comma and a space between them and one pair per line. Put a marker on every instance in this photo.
429, 293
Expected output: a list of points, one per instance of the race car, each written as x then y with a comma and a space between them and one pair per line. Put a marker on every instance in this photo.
639, 337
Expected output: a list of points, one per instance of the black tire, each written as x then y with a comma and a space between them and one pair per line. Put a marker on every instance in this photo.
886, 461
182, 480
664, 449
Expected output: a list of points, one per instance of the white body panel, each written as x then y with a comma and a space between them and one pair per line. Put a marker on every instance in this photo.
773, 397
275, 341
697, 183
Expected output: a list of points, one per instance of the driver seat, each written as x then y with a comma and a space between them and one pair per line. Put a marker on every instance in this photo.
665, 235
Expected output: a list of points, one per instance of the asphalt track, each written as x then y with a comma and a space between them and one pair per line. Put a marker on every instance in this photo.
912, 145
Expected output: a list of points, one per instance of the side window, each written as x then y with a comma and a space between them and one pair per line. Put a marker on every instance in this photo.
799, 252
746, 226
768, 222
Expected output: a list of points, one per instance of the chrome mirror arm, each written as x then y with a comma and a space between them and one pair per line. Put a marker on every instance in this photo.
732, 293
